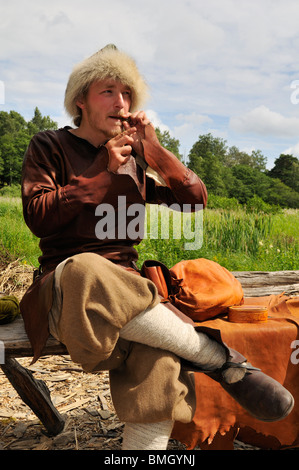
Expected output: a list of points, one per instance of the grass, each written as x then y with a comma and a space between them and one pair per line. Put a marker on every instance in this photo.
15, 237
236, 239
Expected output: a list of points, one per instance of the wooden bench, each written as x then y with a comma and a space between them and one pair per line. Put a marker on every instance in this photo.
35, 393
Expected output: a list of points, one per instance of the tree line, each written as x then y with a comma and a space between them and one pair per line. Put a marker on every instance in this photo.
226, 171
15, 135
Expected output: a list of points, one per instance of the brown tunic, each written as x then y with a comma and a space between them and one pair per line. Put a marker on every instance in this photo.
64, 179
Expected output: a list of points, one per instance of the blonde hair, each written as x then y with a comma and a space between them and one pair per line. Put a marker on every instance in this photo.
108, 62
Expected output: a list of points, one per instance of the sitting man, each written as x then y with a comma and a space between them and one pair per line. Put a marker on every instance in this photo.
88, 292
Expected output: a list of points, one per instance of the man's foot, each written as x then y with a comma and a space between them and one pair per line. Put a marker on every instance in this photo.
263, 397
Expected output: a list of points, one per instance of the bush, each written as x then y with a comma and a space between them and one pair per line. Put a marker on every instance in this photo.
11, 191
256, 204
221, 202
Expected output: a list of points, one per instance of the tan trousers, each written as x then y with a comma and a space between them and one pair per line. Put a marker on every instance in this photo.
93, 299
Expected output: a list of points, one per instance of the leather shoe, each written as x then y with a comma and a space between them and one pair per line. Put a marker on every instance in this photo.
262, 396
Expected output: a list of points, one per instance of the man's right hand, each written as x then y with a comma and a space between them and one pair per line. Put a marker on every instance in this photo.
119, 149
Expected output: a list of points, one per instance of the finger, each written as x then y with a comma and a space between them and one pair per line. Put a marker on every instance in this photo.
126, 150
127, 132
139, 116
126, 125
121, 139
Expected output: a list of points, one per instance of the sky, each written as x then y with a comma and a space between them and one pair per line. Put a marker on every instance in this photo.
225, 67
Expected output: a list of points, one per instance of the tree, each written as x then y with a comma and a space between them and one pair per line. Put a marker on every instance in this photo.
15, 135
286, 168
11, 123
168, 142
259, 161
204, 147
235, 156
41, 123
206, 160
282, 195
249, 182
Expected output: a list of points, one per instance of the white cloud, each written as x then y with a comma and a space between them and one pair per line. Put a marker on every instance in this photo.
156, 120
194, 118
263, 121
294, 150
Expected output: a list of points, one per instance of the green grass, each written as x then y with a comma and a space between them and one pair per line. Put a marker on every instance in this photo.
15, 237
236, 239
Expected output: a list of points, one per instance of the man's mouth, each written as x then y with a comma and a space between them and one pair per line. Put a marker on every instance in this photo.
118, 118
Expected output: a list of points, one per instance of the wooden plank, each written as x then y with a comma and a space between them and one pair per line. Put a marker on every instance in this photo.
35, 394
261, 283
17, 344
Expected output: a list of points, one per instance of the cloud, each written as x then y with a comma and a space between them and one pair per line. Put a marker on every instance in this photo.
191, 124
156, 120
194, 119
201, 59
294, 150
265, 122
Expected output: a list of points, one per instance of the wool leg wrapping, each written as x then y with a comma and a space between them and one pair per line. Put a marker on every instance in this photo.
160, 328
148, 436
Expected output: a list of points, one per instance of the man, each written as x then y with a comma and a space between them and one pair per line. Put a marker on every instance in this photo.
89, 293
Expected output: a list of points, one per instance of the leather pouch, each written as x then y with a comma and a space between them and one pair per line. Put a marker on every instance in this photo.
159, 274
200, 288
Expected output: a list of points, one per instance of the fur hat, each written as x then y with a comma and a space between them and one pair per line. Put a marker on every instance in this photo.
108, 62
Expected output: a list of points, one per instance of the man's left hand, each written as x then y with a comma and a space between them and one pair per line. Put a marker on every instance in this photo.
139, 120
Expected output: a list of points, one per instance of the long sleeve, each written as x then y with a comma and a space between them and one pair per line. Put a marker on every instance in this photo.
182, 184
53, 194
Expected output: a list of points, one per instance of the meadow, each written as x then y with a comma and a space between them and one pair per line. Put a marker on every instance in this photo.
237, 239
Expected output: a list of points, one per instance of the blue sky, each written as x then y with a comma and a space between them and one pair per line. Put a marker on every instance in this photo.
226, 67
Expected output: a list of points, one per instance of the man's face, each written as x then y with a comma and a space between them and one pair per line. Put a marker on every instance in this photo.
105, 101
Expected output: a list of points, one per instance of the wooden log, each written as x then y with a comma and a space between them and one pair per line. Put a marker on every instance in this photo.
17, 344
261, 283
35, 394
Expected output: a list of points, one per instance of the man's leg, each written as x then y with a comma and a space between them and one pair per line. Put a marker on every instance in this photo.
263, 397
95, 300
100, 302
147, 436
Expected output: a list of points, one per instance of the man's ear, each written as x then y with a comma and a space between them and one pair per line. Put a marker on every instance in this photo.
80, 102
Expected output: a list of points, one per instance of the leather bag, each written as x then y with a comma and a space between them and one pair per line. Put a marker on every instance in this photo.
200, 288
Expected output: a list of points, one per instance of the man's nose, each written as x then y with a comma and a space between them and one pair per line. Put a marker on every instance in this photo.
119, 101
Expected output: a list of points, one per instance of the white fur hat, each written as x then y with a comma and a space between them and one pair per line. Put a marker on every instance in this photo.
108, 62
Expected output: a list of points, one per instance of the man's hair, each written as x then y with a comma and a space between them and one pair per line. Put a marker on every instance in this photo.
108, 62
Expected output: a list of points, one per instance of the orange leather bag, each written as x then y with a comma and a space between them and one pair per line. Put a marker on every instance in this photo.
199, 288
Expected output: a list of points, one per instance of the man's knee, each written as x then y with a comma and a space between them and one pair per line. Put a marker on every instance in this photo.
84, 265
